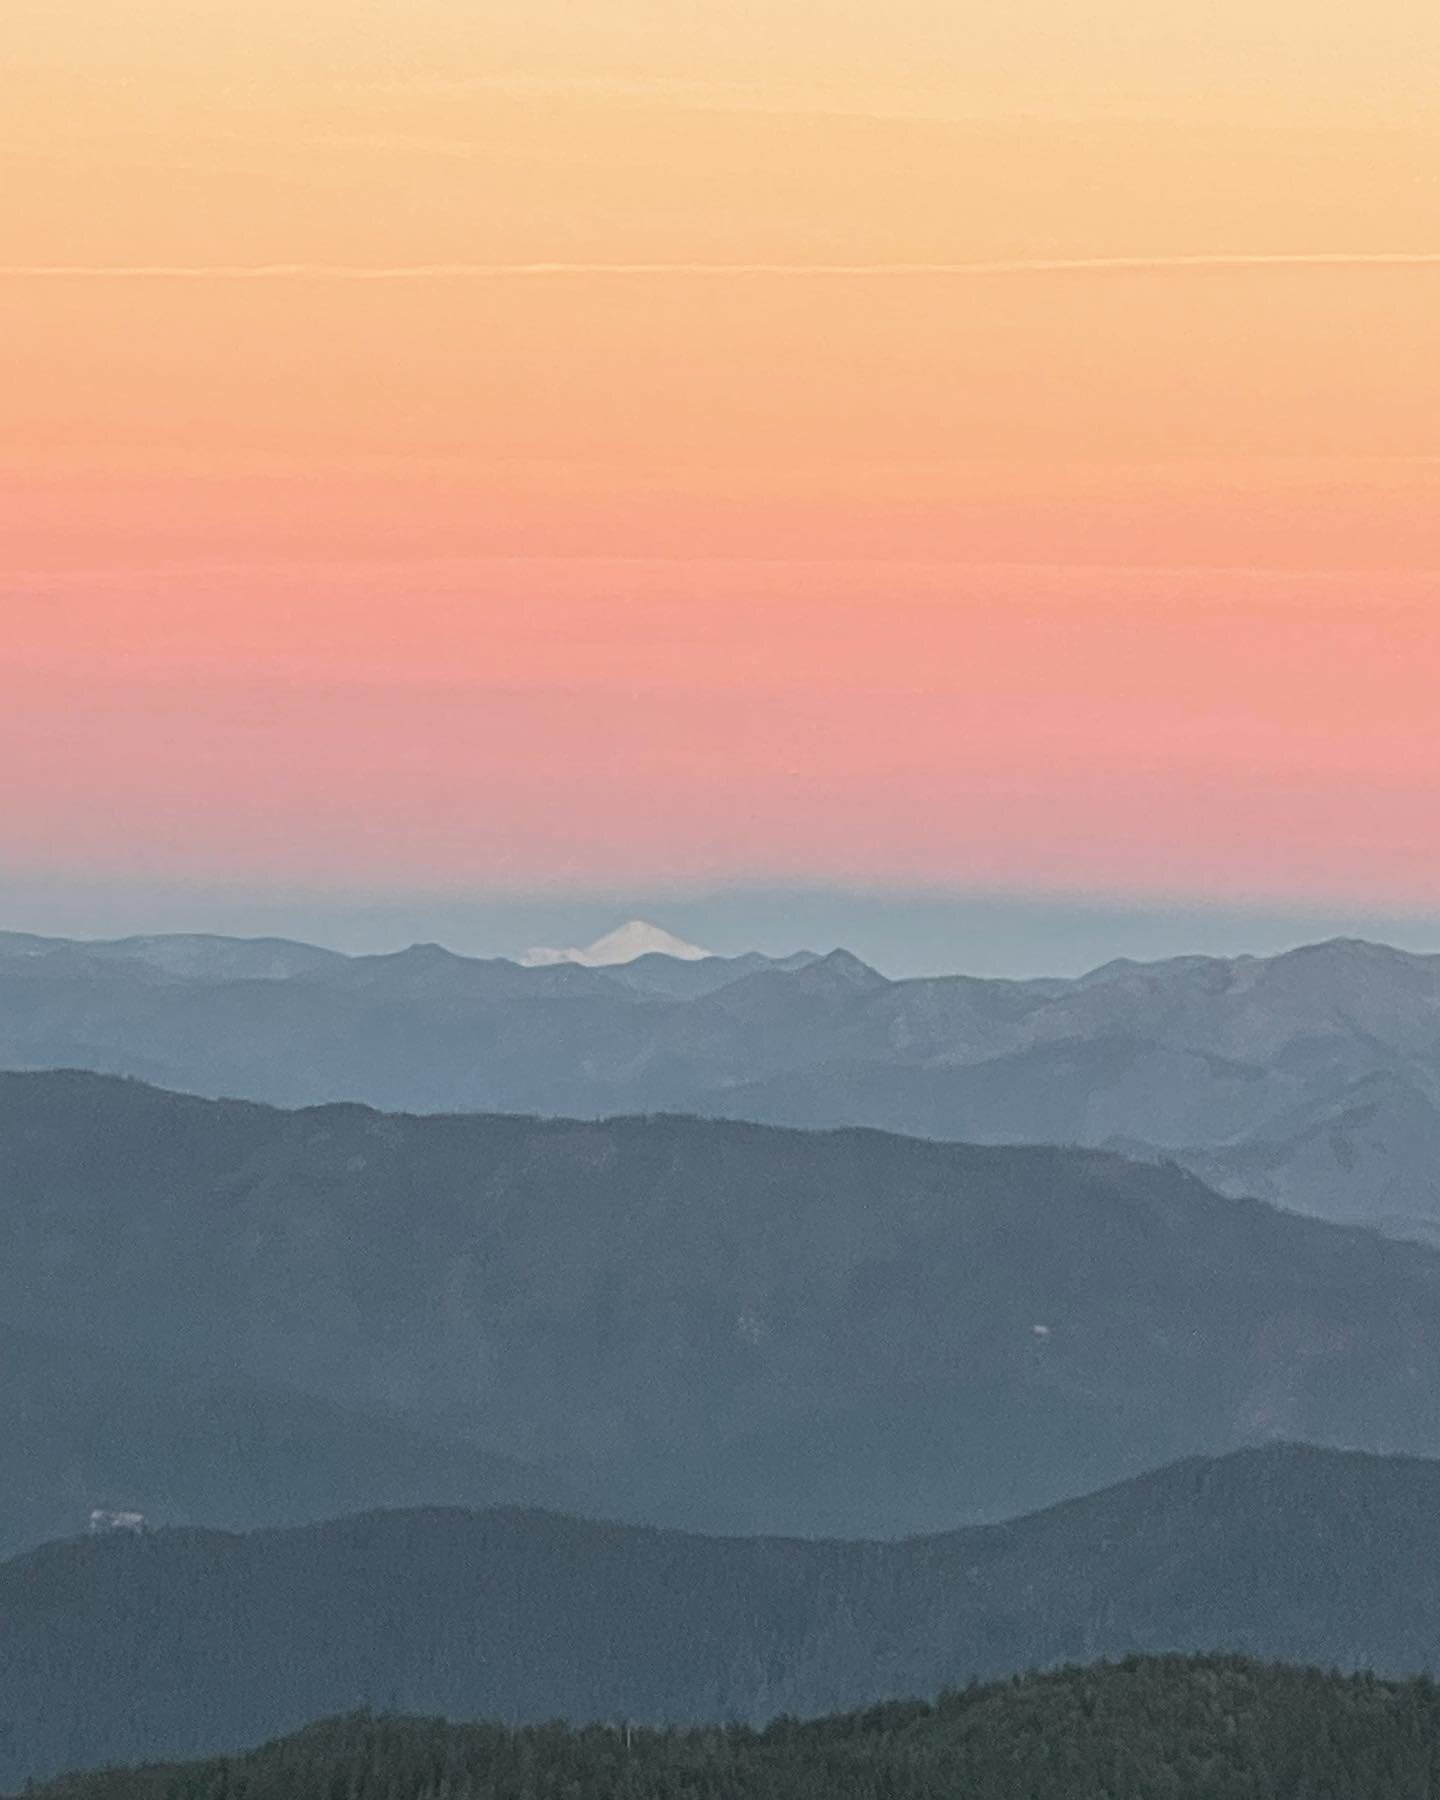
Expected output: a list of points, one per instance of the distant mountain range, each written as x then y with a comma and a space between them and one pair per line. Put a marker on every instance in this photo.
708, 1323
187, 1643
1311, 1079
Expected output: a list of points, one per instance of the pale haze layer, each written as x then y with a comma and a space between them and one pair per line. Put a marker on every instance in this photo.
901, 933
454, 459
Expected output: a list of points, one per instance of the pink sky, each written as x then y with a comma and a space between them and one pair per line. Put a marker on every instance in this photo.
520, 723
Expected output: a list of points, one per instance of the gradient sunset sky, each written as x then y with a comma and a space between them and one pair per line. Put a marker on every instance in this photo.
456, 453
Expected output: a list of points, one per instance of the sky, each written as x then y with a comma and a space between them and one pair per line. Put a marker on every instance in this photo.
464, 464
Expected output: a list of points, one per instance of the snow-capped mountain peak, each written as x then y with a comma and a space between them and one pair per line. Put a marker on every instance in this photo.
634, 939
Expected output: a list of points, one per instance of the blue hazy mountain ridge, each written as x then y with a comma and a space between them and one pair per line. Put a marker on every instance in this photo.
1310, 1078
708, 1322
84, 1427
187, 1643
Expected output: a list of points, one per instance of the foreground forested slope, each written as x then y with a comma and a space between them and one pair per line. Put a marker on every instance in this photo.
188, 1642
1217, 1728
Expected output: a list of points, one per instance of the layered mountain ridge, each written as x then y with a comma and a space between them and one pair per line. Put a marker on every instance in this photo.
1311, 1078
189, 1643
86, 1427
713, 1323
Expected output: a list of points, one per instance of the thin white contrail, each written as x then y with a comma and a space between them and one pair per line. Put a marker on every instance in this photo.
522, 271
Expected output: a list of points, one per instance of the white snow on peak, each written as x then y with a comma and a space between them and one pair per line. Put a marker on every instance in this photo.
624, 945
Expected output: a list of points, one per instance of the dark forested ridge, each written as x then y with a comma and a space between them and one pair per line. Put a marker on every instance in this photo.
189, 1643
1168, 1728
719, 1325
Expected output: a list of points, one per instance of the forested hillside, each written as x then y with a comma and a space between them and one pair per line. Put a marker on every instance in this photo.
1213, 1728
189, 1643
724, 1326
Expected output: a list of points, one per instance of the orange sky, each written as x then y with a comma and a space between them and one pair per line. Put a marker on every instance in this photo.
663, 506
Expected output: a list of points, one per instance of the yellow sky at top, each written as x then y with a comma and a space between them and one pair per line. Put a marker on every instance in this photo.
1286, 414
391, 130
1272, 55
